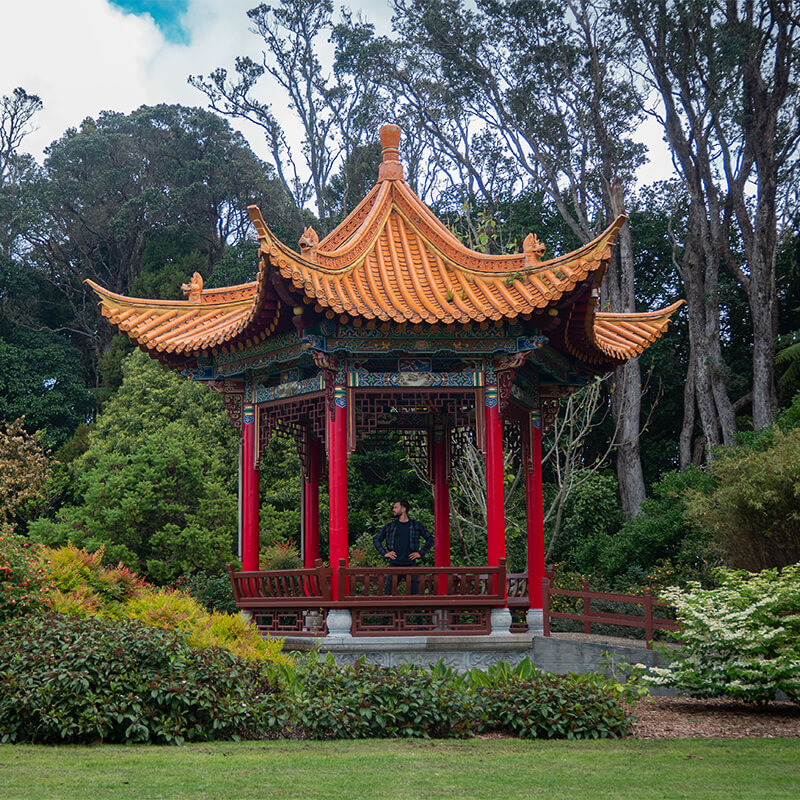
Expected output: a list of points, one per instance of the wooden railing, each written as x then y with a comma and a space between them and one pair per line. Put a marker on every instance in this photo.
442, 601
448, 601
447, 584
647, 620
285, 602
417, 600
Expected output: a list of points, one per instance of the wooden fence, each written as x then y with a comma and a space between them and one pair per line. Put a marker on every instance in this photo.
647, 620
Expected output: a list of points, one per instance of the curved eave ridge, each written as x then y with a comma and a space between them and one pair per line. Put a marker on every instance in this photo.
624, 336
393, 260
182, 327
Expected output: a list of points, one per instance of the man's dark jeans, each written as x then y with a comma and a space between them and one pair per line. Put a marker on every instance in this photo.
387, 583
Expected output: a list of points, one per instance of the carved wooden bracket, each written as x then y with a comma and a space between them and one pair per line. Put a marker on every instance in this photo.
232, 396
505, 368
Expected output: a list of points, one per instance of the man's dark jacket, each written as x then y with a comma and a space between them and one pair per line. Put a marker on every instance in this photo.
384, 538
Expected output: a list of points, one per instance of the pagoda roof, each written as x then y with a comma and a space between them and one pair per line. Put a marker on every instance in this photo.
189, 327
392, 261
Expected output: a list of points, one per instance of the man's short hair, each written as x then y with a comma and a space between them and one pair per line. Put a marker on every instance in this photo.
405, 504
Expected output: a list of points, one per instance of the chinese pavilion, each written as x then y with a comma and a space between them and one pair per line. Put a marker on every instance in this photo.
388, 324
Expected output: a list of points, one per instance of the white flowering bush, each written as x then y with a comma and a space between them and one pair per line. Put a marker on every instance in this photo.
741, 640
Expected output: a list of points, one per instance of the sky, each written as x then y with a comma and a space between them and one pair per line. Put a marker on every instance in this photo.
85, 56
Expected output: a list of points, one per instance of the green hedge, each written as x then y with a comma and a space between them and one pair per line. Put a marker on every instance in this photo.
71, 680
320, 700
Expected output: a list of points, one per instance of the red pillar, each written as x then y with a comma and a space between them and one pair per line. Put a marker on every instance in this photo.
441, 502
532, 438
311, 505
495, 510
337, 484
249, 484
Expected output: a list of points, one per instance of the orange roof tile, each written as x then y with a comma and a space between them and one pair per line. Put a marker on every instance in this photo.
624, 336
391, 259
184, 327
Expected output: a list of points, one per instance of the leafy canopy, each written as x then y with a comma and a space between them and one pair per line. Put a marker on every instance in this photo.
157, 484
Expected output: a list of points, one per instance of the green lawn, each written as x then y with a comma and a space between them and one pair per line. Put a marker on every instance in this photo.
669, 770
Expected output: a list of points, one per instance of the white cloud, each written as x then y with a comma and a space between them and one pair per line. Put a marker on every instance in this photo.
80, 57
85, 56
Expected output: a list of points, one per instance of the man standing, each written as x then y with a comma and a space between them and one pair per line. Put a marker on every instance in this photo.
399, 542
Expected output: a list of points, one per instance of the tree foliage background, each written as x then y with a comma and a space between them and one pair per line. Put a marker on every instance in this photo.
517, 117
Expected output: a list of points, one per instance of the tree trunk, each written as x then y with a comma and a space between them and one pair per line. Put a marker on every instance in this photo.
627, 396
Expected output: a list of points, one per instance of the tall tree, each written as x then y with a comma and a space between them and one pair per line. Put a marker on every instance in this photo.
544, 81
725, 81
336, 115
16, 112
112, 187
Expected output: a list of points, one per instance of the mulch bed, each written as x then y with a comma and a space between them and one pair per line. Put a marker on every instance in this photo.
683, 717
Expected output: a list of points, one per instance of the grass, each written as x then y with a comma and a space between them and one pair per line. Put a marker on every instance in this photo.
395, 770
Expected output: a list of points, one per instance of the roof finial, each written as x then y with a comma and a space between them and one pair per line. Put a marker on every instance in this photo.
533, 250
309, 242
194, 289
391, 169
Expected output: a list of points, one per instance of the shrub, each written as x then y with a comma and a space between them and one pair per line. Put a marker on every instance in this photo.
280, 555
324, 701
661, 534
24, 577
24, 466
85, 588
73, 567
741, 640
547, 706
173, 610
212, 590
754, 509
591, 515
156, 482
70, 680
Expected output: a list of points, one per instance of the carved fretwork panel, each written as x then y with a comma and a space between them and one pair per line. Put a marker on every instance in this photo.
505, 372
550, 406
233, 405
296, 419
232, 398
512, 440
411, 409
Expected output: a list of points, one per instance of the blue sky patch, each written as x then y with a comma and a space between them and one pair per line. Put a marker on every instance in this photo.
165, 13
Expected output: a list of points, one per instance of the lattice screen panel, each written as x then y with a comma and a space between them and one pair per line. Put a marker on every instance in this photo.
291, 621
410, 409
294, 419
411, 621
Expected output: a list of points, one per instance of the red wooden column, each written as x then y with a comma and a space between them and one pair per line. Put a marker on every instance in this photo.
441, 501
337, 484
250, 486
495, 508
311, 504
532, 443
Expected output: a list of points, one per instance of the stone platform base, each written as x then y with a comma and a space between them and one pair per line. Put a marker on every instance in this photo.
560, 653
459, 652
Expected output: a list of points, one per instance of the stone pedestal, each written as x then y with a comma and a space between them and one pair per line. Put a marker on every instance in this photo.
500, 622
339, 624
535, 620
